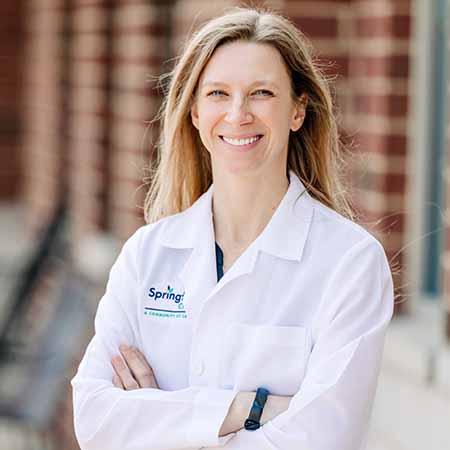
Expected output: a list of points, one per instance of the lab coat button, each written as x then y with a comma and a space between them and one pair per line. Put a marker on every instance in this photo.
199, 367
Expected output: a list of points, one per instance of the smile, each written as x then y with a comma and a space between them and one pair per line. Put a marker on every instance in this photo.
241, 142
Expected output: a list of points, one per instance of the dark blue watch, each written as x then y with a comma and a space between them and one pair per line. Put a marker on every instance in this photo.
252, 422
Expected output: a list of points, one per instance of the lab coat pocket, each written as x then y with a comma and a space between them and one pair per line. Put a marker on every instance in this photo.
269, 356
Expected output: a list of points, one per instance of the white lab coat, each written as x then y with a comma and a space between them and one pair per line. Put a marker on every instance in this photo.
302, 312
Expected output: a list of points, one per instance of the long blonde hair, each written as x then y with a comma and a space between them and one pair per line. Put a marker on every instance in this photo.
182, 172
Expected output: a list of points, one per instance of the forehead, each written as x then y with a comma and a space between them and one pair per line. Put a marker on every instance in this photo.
245, 62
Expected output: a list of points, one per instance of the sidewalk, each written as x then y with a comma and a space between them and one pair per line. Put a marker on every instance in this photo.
412, 405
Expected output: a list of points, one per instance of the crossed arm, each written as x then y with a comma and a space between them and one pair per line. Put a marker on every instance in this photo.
132, 371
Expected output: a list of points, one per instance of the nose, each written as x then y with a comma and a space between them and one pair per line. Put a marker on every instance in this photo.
238, 112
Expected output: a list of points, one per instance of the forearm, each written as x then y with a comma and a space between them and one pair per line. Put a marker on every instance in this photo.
240, 408
106, 416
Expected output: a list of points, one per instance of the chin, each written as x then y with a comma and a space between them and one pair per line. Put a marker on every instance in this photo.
239, 168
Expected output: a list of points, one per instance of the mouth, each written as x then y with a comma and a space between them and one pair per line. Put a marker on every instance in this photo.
242, 144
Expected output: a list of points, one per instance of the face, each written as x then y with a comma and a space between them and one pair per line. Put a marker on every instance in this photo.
244, 110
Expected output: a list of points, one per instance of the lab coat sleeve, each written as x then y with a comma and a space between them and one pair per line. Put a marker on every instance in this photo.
106, 417
332, 409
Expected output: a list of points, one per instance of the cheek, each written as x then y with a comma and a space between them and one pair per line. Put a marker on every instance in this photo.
273, 115
208, 111
282, 124
208, 118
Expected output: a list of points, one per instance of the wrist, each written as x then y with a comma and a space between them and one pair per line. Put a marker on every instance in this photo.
238, 412
246, 402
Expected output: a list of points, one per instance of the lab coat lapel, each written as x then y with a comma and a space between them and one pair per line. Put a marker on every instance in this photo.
284, 237
286, 233
193, 231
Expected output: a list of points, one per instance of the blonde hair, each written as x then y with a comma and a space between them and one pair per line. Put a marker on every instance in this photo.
182, 168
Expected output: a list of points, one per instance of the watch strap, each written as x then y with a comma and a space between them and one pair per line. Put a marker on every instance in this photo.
253, 421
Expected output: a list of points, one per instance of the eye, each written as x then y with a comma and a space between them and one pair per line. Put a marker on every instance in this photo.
214, 92
264, 91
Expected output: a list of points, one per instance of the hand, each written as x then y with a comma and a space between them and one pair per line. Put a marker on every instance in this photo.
132, 371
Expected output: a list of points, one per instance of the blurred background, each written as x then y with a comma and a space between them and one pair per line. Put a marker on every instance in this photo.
77, 93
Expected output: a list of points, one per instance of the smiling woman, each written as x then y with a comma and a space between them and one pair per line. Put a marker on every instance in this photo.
276, 78
246, 128
252, 307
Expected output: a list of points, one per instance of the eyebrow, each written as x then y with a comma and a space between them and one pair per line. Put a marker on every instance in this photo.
221, 83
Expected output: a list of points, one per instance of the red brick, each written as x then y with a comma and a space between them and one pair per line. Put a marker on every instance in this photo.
334, 65
394, 183
317, 27
393, 144
394, 66
153, 29
83, 3
388, 183
399, 66
131, 2
387, 221
389, 105
397, 26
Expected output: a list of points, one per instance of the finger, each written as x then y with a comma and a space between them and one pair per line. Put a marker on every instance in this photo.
124, 373
140, 369
117, 382
141, 356
146, 363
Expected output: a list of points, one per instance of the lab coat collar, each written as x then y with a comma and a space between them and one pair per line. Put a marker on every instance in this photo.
286, 233
284, 236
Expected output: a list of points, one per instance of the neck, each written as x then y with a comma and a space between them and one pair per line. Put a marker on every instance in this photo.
243, 206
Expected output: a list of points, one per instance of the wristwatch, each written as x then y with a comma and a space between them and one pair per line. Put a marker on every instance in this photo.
252, 422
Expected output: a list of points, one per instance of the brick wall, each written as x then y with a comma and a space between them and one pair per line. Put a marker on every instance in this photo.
89, 96
190, 14
113, 52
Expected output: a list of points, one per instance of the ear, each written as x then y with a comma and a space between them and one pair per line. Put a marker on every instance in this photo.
194, 115
299, 112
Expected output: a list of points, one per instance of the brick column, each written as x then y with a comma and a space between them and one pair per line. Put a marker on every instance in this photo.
42, 151
141, 33
88, 114
379, 71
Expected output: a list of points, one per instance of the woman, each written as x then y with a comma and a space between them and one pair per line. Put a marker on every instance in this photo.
250, 274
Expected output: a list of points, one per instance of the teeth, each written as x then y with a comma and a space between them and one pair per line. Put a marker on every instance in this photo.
240, 141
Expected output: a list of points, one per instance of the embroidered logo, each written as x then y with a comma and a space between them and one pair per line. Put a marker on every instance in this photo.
166, 303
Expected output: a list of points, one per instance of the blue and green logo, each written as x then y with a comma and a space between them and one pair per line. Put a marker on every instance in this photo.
164, 306
167, 295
